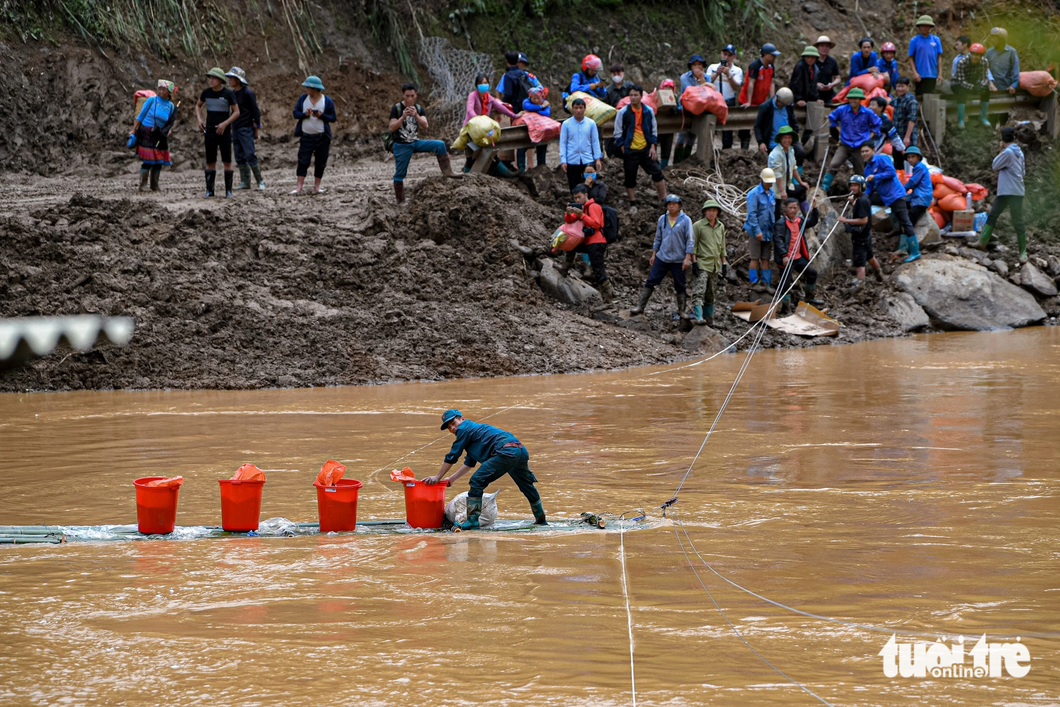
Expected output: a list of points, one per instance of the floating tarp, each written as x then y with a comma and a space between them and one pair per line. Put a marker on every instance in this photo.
807, 320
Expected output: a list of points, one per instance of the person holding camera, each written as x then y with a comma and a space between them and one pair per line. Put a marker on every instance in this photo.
406, 118
315, 113
727, 77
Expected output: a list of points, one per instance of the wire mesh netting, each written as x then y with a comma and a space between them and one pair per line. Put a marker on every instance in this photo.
453, 72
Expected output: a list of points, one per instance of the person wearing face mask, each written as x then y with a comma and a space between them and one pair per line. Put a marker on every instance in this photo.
480, 102
595, 185
618, 89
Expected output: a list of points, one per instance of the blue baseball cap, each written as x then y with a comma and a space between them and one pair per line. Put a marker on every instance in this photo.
523, 59
449, 415
770, 49
731, 48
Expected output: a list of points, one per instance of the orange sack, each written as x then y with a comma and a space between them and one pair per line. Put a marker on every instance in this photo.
403, 475
953, 202
330, 473
541, 128
173, 482
940, 219
979, 192
248, 472
955, 184
1037, 83
866, 82
941, 190
698, 100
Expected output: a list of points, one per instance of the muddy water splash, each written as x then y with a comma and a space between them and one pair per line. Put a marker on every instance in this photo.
909, 484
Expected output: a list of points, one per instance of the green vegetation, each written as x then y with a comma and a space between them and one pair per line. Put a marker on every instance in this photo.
198, 28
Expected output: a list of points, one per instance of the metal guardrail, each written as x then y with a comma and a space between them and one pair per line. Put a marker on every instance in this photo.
813, 117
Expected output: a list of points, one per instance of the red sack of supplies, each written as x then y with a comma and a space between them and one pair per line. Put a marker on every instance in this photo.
248, 472
403, 475
1037, 83
698, 100
331, 472
866, 82
540, 128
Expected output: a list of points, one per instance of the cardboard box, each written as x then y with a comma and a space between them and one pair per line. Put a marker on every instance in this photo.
666, 97
964, 220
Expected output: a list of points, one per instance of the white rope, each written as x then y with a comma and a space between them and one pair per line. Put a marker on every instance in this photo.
735, 630
629, 614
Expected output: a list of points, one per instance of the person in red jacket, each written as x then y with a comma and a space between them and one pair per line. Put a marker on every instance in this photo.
595, 245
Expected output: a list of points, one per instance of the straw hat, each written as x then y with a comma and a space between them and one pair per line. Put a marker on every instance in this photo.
823, 39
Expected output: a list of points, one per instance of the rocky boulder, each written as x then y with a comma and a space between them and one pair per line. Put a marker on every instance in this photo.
565, 289
902, 308
1037, 282
705, 340
963, 295
927, 231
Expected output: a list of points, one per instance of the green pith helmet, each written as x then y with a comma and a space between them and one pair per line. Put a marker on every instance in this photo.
314, 82
925, 20
811, 51
711, 204
785, 130
216, 73
856, 93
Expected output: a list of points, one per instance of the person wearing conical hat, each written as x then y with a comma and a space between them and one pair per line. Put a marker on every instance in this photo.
924, 52
708, 259
222, 110
246, 129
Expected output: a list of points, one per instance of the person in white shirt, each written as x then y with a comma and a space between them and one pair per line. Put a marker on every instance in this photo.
727, 77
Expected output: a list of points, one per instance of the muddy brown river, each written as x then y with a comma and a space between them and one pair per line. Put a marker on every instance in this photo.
903, 485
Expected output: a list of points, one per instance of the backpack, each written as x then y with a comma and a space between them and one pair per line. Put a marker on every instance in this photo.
610, 224
388, 137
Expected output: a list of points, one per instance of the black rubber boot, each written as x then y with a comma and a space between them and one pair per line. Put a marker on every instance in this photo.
244, 177
474, 510
539, 513
256, 169
682, 301
211, 181
645, 295
145, 174
399, 192
811, 295
228, 183
607, 292
156, 170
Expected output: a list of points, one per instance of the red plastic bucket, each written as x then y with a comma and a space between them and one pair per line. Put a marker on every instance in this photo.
424, 505
337, 505
156, 507
240, 504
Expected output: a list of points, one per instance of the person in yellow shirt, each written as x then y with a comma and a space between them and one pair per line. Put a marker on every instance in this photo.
636, 139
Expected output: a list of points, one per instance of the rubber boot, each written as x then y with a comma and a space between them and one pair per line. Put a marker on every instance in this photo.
681, 153
645, 295
827, 183
244, 177
256, 169
156, 170
1021, 240
474, 510
399, 192
708, 315
520, 162
914, 248
607, 292
211, 181
811, 296
502, 169
228, 183
983, 117
539, 513
767, 277
877, 272
145, 174
682, 301
446, 165
960, 114
984, 239
697, 315
745, 144
665, 162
